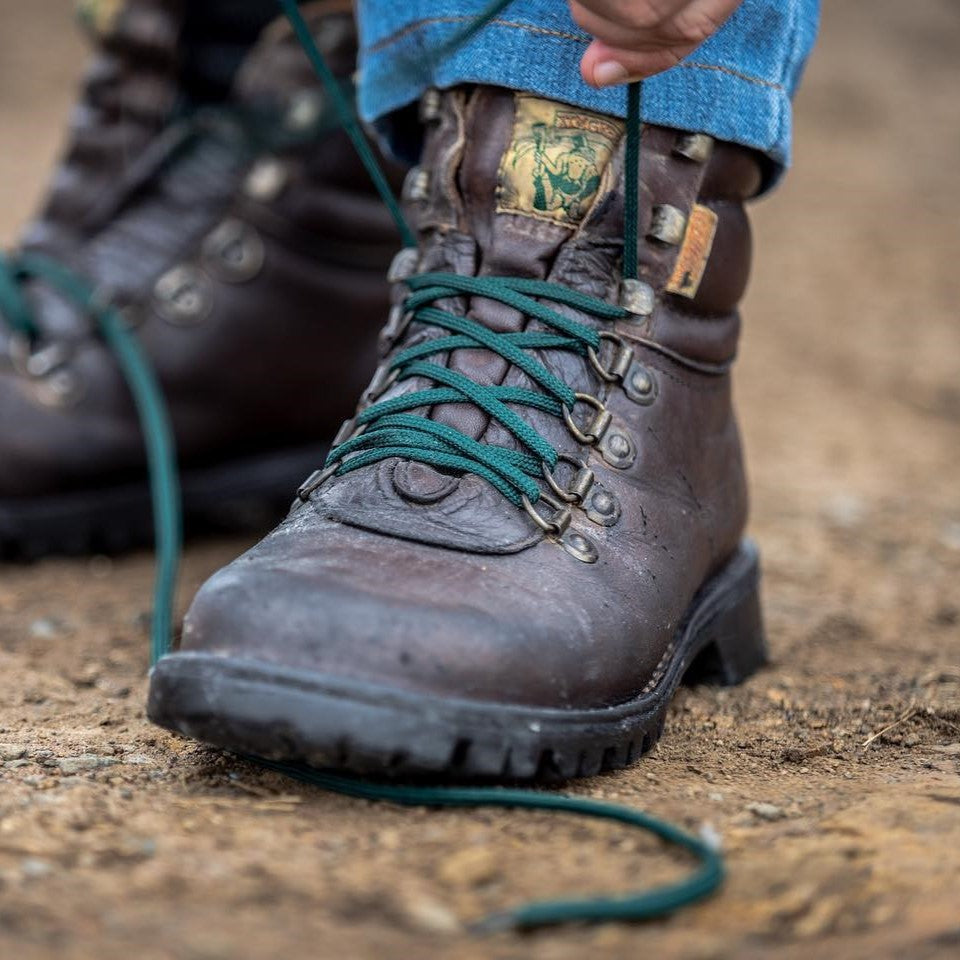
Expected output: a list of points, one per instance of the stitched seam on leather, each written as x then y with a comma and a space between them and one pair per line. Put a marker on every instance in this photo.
660, 670
688, 311
712, 383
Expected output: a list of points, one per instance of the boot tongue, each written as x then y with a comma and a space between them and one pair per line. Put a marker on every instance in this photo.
530, 173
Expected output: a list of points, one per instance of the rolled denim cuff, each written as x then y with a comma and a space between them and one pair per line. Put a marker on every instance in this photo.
737, 86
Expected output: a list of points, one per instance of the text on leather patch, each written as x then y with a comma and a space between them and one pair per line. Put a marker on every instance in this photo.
694, 252
553, 166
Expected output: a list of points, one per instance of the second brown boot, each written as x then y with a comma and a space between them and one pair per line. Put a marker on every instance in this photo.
244, 243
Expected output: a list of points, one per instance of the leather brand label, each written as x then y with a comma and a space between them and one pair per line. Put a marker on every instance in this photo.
553, 167
694, 252
99, 16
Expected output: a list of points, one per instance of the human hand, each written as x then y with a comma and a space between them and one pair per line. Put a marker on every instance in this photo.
634, 39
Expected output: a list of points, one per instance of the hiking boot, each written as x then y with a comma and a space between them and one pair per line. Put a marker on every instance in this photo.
243, 242
533, 529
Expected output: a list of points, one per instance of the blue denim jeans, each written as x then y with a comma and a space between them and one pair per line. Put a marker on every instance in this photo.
737, 86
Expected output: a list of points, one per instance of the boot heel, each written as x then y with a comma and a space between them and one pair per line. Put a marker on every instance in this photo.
736, 645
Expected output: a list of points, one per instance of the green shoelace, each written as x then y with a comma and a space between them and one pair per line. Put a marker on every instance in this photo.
148, 399
392, 431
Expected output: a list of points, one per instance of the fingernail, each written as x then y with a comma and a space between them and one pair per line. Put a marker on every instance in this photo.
610, 73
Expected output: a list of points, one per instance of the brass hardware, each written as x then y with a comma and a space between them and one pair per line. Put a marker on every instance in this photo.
622, 358
696, 147
667, 224
233, 252
618, 449
640, 385
637, 297
182, 296
266, 180
404, 264
580, 548
598, 426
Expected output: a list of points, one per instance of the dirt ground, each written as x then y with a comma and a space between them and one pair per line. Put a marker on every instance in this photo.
833, 777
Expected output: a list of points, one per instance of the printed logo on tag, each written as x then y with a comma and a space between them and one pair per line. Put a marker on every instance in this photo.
694, 253
553, 166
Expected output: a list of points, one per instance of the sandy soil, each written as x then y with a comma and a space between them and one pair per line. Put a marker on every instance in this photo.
833, 777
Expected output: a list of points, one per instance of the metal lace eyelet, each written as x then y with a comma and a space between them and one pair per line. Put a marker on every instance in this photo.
60, 388
618, 449
397, 322
348, 430
602, 507
619, 365
266, 180
580, 547
416, 185
39, 363
305, 110
182, 296
638, 298
384, 377
557, 525
233, 252
579, 486
598, 426
54, 383
696, 147
430, 104
640, 385
316, 480
668, 224
403, 265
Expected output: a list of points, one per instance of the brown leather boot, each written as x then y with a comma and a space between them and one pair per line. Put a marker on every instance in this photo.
242, 240
417, 614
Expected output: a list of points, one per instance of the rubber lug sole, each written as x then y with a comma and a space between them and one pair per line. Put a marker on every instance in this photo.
240, 495
291, 716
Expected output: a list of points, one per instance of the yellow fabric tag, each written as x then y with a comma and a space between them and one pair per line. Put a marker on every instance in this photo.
694, 252
99, 16
555, 161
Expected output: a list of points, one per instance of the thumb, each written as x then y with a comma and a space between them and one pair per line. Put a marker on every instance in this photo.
606, 66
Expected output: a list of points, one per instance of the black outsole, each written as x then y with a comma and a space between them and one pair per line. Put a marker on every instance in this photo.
251, 707
240, 495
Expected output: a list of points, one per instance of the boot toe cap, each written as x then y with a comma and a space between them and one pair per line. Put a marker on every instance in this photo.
347, 604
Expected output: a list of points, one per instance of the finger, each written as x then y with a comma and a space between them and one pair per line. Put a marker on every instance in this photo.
605, 66
688, 23
636, 33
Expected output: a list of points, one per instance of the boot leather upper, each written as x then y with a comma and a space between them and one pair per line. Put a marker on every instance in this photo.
402, 576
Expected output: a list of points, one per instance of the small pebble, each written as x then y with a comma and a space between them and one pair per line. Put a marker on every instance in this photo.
950, 535
33, 868
46, 628
711, 837
845, 510
766, 811
86, 761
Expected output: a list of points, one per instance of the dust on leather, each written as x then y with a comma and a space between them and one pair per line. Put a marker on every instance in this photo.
553, 166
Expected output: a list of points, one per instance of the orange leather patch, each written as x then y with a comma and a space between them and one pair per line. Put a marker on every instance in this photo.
694, 252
